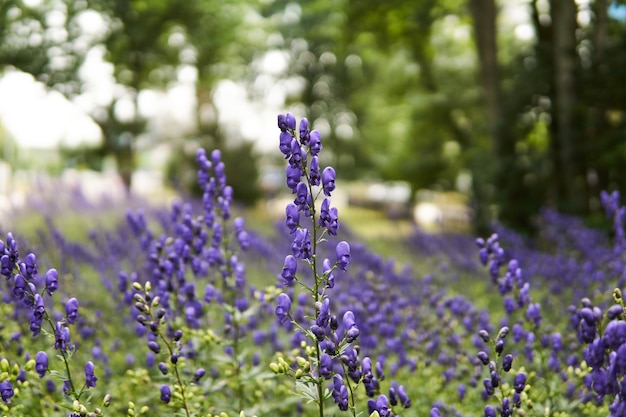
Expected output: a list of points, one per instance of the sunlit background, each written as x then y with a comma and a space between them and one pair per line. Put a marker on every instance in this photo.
448, 112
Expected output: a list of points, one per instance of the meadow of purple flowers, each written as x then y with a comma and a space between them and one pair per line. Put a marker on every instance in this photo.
187, 311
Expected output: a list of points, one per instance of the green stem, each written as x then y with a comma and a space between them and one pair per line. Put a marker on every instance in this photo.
176, 373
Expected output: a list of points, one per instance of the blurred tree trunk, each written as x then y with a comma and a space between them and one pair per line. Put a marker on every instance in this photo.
571, 179
484, 14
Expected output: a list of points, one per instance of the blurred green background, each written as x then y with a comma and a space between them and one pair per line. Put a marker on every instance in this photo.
462, 111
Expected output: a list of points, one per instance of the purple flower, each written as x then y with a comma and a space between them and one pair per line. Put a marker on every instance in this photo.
328, 271
381, 405
62, 337
6, 391
326, 366
304, 131
519, 382
507, 362
52, 281
340, 393
166, 393
71, 310
289, 270
41, 363
315, 142
302, 199
285, 143
534, 314
297, 154
350, 327
301, 246
315, 177
614, 334
328, 217
200, 372
19, 286
292, 217
343, 255
293, 175
154, 346
323, 318
328, 180
286, 121
90, 376
283, 307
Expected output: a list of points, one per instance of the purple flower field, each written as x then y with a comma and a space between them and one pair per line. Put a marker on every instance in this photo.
190, 312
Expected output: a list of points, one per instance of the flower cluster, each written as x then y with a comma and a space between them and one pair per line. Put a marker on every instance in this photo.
333, 355
26, 291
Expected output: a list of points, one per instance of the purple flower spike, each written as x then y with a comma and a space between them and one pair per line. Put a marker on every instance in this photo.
328, 180
343, 255
283, 306
41, 363
90, 376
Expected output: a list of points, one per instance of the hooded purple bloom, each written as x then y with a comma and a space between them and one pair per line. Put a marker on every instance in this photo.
304, 131
6, 391
315, 142
289, 270
301, 246
381, 404
350, 327
41, 363
297, 154
285, 143
326, 366
52, 281
328, 270
519, 382
71, 309
293, 175
283, 306
62, 337
302, 196
200, 372
292, 217
343, 255
19, 286
90, 376
328, 217
340, 393
286, 121
323, 318
315, 177
614, 334
328, 180
166, 393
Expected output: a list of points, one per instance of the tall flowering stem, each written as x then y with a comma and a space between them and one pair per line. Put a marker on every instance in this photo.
27, 291
328, 343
